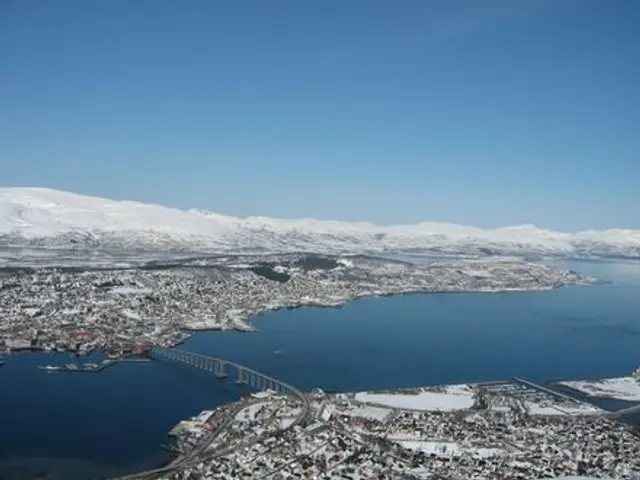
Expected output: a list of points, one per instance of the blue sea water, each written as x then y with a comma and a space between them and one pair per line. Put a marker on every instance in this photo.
79, 426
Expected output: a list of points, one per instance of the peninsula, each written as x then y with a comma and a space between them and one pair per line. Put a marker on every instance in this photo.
512, 429
158, 304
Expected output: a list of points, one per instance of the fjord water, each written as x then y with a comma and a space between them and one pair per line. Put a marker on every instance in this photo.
79, 426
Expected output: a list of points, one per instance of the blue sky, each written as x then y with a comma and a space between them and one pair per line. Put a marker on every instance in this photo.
487, 113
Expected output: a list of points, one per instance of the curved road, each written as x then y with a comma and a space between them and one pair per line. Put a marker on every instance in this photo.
196, 455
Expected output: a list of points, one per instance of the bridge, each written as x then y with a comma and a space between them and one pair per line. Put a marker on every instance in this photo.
221, 369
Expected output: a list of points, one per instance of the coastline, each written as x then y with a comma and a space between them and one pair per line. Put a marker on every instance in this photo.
242, 321
366, 297
79, 311
404, 400
248, 318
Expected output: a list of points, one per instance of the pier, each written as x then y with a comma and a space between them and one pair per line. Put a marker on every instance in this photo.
545, 389
90, 367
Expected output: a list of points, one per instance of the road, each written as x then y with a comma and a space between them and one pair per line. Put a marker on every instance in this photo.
190, 459
198, 454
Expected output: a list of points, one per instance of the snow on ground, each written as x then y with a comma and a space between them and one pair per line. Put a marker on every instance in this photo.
250, 413
286, 422
130, 291
454, 397
29, 213
580, 409
441, 449
620, 388
290, 417
372, 413
579, 478
551, 408
449, 449
130, 314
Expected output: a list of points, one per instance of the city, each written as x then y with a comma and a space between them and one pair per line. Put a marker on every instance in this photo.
320, 240
510, 429
126, 311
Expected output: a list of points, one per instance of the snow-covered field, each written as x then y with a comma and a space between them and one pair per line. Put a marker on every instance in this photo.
454, 397
32, 217
620, 388
369, 412
250, 413
561, 410
448, 449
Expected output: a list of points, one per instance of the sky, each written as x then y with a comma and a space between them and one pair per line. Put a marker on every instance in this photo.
485, 113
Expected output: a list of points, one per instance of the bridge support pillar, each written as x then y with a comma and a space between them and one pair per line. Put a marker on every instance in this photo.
242, 376
221, 370
245, 376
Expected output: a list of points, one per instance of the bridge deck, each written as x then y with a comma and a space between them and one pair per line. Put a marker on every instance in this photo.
217, 366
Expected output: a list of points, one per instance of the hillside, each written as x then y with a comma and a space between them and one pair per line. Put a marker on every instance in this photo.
40, 217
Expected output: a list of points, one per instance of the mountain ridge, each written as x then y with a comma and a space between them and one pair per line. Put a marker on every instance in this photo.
34, 216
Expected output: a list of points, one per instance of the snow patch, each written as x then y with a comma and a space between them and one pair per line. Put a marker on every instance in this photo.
129, 291
455, 397
620, 388
371, 413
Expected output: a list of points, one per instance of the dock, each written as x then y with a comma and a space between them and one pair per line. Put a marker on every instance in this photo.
91, 367
546, 390
79, 367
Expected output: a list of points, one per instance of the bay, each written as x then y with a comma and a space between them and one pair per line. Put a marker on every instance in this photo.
79, 426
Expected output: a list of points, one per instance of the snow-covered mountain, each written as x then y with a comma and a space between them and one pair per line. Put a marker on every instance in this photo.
40, 217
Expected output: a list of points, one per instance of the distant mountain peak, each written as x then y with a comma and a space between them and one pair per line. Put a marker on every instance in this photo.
34, 216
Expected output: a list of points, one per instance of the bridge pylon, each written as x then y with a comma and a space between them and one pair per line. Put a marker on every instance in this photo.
221, 369
242, 376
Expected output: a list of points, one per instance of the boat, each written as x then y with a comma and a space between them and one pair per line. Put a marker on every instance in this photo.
50, 368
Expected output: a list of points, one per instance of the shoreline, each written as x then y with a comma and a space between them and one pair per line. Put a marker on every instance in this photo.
341, 304
587, 293
592, 409
243, 322
78, 311
172, 458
